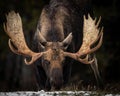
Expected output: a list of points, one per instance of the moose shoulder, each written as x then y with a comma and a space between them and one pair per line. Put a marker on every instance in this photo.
55, 41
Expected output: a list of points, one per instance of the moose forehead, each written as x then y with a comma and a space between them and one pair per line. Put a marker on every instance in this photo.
54, 51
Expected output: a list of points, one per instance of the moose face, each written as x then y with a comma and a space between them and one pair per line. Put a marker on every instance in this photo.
52, 62
53, 58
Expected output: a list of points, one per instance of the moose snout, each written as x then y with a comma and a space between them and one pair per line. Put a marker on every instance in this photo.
56, 79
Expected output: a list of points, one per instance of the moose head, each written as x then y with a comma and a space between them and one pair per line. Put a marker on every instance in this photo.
54, 52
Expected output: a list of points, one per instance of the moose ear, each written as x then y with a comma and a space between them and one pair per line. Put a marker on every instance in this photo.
42, 39
66, 42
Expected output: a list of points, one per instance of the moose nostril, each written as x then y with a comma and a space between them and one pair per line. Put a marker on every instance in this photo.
51, 81
56, 79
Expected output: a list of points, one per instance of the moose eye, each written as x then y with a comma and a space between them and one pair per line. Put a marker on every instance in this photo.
46, 62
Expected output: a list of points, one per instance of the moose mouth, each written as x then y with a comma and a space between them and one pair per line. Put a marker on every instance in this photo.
56, 80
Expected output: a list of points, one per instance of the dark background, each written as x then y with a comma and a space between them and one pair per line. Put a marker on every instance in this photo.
15, 75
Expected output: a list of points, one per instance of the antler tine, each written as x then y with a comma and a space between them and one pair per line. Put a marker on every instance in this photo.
98, 22
89, 17
12, 48
13, 28
34, 58
85, 60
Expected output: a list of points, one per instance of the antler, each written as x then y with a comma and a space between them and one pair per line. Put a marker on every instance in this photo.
91, 35
13, 28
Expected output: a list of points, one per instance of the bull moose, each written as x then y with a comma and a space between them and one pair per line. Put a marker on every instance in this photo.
56, 42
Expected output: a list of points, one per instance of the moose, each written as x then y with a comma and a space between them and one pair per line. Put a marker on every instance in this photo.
55, 41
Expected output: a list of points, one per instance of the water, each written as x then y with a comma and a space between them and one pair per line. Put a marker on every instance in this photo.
56, 93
